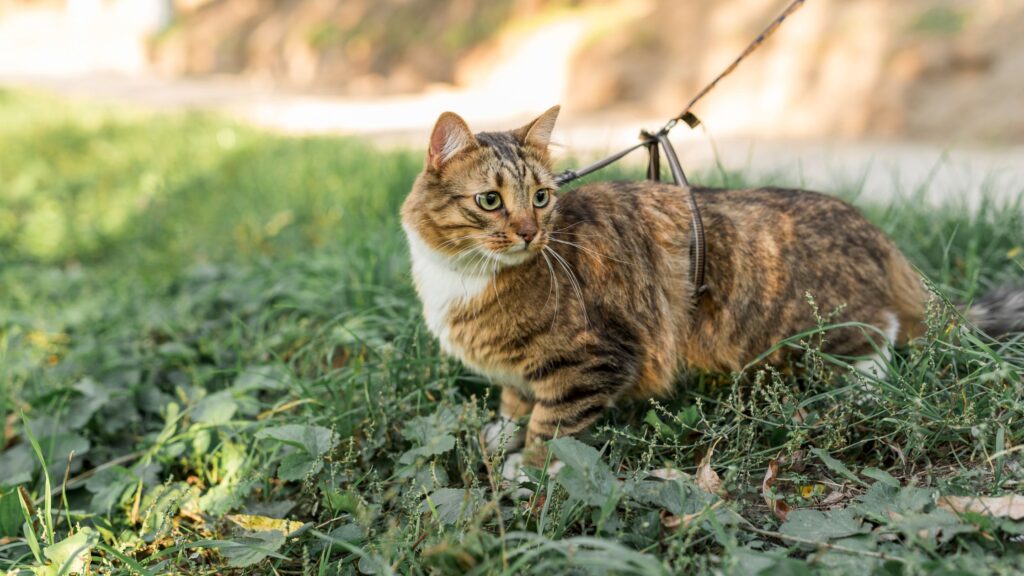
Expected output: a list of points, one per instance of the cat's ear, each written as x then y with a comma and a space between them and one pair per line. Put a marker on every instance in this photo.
451, 135
538, 132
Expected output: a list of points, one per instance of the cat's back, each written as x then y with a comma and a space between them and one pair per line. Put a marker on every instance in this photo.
812, 216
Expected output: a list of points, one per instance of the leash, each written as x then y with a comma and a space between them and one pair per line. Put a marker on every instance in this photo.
658, 142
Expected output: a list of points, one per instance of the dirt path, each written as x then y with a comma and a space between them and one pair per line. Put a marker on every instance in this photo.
881, 169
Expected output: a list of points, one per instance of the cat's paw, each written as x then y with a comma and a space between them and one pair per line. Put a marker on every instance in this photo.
503, 432
512, 472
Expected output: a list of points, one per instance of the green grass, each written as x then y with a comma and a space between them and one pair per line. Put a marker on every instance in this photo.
219, 322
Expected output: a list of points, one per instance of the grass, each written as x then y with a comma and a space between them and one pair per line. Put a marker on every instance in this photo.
215, 328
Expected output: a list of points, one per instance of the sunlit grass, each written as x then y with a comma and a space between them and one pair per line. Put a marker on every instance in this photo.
218, 321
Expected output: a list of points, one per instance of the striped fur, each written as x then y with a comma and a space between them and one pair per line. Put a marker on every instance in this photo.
599, 307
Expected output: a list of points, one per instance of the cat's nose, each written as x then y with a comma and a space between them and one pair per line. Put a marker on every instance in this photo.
527, 235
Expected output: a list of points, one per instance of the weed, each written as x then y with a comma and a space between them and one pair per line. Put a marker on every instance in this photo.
223, 332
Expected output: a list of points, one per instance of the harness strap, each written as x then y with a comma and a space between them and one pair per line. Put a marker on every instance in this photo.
697, 245
660, 139
655, 145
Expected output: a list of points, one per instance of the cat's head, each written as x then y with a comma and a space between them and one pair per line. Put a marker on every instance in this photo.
485, 198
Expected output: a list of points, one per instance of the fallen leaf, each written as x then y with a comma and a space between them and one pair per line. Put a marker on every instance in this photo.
9, 431
252, 523
778, 507
1010, 506
707, 479
670, 521
71, 555
667, 474
834, 498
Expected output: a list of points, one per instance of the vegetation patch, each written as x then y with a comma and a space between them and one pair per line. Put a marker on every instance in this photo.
212, 362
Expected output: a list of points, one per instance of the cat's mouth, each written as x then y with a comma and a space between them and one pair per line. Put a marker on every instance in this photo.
521, 252
515, 256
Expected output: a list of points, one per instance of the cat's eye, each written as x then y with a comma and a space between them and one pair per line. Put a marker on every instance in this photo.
488, 200
542, 197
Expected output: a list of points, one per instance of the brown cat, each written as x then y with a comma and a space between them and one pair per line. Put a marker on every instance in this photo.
572, 301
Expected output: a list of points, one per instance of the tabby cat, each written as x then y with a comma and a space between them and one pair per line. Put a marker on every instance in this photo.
573, 301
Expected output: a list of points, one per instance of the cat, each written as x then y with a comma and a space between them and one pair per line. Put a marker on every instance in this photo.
573, 301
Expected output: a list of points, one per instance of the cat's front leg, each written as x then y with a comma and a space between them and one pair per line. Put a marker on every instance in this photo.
572, 397
505, 431
564, 406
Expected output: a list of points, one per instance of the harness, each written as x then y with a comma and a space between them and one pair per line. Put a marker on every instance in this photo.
657, 143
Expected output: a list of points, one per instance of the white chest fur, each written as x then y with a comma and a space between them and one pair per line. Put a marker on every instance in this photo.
441, 284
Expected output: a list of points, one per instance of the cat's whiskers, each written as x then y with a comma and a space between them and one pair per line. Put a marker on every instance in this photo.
588, 250
450, 241
552, 282
574, 224
573, 282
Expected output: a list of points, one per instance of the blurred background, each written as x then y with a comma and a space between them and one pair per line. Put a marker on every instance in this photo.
920, 92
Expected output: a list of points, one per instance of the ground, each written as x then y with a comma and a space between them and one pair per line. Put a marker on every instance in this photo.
212, 361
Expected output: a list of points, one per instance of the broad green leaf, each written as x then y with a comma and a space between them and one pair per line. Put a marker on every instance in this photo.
225, 497
71, 555
748, 562
837, 466
585, 477
16, 465
316, 440
575, 454
92, 398
845, 563
298, 466
351, 533
913, 499
680, 496
434, 447
689, 416
10, 513
108, 486
176, 351
822, 526
877, 501
56, 450
246, 550
937, 526
881, 476
420, 430
660, 427
217, 408
261, 378
788, 567
451, 504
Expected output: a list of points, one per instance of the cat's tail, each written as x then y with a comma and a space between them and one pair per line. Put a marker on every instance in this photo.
999, 312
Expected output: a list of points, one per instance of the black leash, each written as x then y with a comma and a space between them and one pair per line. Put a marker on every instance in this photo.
658, 142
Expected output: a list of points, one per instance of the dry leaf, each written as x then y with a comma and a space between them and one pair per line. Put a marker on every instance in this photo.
10, 433
668, 474
778, 507
252, 523
1010, 506
834, 498
670, 521
707, 479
